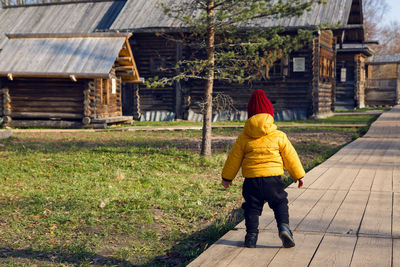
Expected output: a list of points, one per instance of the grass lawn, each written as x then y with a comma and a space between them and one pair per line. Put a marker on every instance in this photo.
124, 198
337, 119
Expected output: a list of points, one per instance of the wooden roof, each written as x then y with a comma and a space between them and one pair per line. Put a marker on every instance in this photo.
77, 17
355, 48
384, 59
142, 15
68, 55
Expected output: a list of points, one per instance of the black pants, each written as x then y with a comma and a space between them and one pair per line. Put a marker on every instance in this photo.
257, 191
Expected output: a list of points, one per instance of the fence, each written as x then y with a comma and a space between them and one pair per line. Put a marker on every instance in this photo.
381, 92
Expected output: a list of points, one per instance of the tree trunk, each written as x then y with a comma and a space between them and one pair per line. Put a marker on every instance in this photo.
208, 90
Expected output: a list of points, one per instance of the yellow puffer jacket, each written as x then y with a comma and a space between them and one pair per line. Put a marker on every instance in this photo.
262, 150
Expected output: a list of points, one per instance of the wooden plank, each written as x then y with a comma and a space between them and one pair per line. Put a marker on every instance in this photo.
396, 179
345, 180
383, 181
321, 215
311, 176
46, 98
396, 216
267, 246
370, 147
328, 178
372, 252
19, 110
378, 215
334, 250
300, 207
353, 152
348, 218
301, 254
45, 104
363, 180
223, 251
396, 252
392, 154
34, 115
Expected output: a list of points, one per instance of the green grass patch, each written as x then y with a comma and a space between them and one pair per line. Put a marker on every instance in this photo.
73, 198
364, 109
337, 119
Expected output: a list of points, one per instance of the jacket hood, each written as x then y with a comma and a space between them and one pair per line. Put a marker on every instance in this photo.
259, 125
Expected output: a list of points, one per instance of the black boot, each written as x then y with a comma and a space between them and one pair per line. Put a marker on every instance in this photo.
250, 240
286, 235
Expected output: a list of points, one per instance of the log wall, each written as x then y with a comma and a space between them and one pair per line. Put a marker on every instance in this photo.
107, 103
46, 99
381, 92
324, 74
382, 71
60, 99
154, 54
290, 92
311, 90
382, 87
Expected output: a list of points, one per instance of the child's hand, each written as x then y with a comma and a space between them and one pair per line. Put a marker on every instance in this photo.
300, 183
226, 184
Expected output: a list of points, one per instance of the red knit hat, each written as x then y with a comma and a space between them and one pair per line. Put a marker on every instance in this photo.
259, 103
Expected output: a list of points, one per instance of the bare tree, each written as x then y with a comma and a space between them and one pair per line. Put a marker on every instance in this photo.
374, 10
388, 34
389, 39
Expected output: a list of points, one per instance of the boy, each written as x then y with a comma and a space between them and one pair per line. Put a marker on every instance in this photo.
262, 151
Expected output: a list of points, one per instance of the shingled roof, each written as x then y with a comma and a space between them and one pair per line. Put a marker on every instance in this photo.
142, 15
384, 59
83, 56
88, 16
62, 17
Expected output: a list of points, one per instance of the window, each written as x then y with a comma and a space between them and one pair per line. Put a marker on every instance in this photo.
299, 64
326, 69
276, 69
113, 86
279, 69
343, 74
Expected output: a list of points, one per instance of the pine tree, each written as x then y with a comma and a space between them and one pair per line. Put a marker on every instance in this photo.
231, 43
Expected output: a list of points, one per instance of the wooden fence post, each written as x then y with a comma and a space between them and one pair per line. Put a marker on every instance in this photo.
86, 105
397, 101
178, 87
6, 105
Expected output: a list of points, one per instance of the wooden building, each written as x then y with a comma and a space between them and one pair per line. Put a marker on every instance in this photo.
383, 80
303, 85
351, 75
66, 79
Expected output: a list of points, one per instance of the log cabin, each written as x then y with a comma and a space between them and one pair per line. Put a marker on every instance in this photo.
383, 80
309, 83
65, 80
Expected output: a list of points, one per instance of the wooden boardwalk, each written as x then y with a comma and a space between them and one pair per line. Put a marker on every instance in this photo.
347, 214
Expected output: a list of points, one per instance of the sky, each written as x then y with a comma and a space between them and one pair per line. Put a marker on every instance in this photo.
394, 11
